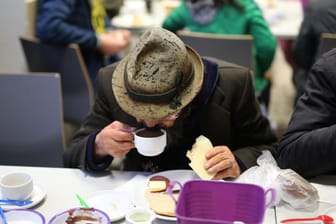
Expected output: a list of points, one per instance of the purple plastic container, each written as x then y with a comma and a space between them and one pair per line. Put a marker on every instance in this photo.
210, 202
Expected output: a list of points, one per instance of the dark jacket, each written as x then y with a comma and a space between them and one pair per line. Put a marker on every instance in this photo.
320, 17
309, 144
69, 21
226, 111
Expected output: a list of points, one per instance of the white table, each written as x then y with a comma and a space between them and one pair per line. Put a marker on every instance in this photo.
326, 186
61, 185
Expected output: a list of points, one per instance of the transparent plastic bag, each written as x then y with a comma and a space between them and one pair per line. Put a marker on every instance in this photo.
290, 187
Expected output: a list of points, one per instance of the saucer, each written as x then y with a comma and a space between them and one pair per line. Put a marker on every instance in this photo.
37, 196
18, 216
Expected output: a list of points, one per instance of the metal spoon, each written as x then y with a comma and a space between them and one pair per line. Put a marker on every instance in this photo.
326, 219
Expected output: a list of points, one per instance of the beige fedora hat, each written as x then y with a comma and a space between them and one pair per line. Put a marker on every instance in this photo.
158, 77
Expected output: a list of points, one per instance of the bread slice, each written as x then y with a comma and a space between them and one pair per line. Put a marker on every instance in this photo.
197, 157
158, 183
161, 202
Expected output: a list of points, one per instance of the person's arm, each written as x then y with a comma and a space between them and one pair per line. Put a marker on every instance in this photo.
105, 133
308, 146
64, 22
264, 41
100, 116
252, 132
176, 20
235, 119
306, 43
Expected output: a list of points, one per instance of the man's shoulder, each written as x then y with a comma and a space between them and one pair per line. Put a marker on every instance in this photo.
321, 6
232, 78
107, 71
228, 70
222, 64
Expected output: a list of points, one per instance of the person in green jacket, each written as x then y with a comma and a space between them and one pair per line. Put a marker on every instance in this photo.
230, 17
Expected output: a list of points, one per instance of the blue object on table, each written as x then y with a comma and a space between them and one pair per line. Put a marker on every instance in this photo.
3, 217
14, 202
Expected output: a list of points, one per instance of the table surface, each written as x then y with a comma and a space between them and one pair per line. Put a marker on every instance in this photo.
61, 185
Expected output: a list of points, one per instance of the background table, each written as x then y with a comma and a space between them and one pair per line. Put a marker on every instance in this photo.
283, 16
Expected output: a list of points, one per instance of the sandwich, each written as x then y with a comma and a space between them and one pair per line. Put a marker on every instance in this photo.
160, 202
197, 157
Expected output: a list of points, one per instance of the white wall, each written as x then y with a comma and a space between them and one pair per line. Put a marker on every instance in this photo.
12, 24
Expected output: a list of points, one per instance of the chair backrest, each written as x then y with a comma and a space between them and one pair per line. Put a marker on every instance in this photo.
232, 48
77, 87
327, 42
31, 118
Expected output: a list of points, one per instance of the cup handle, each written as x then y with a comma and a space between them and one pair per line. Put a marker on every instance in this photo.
272, 199
170, 189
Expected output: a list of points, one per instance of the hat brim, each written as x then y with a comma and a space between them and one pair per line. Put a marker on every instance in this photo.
151, 111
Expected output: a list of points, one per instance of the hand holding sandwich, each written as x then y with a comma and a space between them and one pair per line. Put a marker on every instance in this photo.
221, 162
212, 162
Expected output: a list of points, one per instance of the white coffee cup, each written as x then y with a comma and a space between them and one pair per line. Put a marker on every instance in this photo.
150, 142
140, 216
16, 186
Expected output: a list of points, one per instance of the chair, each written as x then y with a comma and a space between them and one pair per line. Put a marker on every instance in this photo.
327, 42
31, 117
77, 87
233, 48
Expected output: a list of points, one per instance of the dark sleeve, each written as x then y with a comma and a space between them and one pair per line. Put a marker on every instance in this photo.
306, 43
77, 155
64, 22
90, 151
308, 146
252, 132
263, 40
234, 119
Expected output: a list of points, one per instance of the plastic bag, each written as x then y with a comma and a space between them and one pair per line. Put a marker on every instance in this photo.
291, 188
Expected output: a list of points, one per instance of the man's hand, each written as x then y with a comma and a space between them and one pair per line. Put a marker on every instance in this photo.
222, 162
115, 140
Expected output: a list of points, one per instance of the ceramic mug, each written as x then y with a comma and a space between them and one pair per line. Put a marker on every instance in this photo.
16, 186
140, 216
150, 142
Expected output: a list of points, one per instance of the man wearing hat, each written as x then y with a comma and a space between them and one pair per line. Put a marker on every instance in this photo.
164, 83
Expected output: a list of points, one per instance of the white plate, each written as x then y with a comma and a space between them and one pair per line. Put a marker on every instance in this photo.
20, 216
115, 203
181, 176
95, 213
37, 196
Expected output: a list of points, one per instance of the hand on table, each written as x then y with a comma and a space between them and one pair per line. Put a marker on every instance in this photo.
116, 140
221, 161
